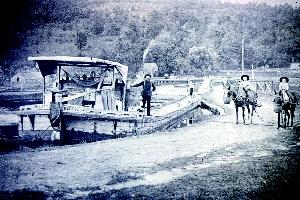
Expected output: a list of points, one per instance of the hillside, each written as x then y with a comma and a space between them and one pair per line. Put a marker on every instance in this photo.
180, 36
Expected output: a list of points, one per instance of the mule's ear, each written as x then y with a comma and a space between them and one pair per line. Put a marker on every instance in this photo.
275, 92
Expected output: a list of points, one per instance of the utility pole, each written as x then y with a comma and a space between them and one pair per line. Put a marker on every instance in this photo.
242, 54
252, 72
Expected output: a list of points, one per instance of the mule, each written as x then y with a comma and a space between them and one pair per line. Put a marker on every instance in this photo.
240, 100
288, 106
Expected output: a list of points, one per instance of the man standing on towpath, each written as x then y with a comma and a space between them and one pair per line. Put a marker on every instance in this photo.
148, 88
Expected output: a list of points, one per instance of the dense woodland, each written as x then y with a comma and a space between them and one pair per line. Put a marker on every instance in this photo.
182, 37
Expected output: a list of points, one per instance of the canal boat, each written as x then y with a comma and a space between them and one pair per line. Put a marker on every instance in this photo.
80, 105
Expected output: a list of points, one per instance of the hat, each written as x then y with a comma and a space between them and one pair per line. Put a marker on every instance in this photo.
245, 76
286, 78
147, 75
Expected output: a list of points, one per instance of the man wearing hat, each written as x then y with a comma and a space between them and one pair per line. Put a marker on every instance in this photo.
284, 86
148, 87
244, 86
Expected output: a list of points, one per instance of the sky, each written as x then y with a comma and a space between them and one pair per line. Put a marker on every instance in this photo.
271, 2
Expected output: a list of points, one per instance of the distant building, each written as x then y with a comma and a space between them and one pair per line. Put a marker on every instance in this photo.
27, 80
150, 68
295, 66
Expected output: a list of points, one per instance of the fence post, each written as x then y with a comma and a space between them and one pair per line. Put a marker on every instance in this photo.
272, 87
256, 86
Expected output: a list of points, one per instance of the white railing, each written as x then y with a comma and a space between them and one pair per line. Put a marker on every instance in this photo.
35, 107
76, 108
66, 107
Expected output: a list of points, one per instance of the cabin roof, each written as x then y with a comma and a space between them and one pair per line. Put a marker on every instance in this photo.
48, 64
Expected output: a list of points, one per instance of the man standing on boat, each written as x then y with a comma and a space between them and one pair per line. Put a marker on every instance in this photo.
106, 86
148, 88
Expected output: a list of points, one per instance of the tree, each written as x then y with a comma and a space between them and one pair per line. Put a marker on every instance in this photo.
115, 20
154, 25
200, 58
98, 24
81, 41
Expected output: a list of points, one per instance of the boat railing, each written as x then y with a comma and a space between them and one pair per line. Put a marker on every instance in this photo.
65, 107
35, 107
76, 108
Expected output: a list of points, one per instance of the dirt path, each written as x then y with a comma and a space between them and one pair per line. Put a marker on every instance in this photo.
214, 159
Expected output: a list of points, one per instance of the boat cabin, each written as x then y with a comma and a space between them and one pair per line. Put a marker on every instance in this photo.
84, 82
89, 101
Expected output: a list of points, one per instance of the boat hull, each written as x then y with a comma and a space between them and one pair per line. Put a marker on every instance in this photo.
85, 124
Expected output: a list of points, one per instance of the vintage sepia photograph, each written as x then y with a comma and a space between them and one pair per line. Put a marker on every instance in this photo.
149, 99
